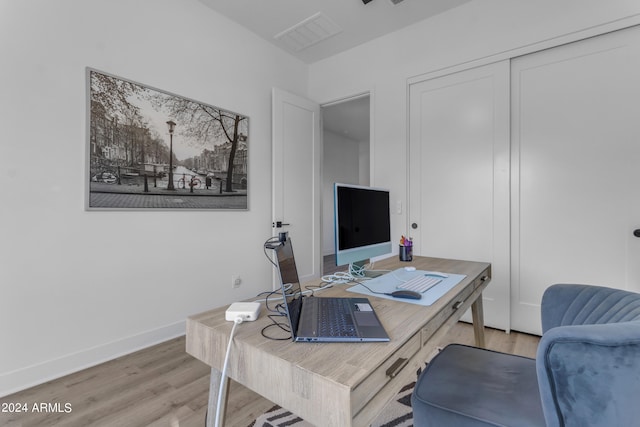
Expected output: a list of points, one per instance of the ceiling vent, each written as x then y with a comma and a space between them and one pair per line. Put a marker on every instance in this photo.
308, 32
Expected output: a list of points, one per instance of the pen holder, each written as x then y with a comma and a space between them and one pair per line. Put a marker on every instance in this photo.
406, 253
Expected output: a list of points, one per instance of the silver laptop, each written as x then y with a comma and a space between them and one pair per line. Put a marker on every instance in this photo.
319, 319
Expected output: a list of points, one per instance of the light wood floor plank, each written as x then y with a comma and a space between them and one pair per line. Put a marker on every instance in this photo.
163, 386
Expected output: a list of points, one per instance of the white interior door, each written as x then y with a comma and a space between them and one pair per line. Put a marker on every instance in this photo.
459, 174
296, 178
576, 180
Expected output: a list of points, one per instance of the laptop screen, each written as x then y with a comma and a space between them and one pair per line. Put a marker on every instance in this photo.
290, 282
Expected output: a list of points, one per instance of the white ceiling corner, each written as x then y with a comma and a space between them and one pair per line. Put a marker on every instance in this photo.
312, 30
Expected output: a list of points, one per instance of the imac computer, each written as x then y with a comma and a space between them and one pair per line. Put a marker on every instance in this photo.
362, 224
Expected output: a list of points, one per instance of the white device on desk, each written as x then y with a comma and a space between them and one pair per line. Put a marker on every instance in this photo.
424, 282
247, 311
389, 285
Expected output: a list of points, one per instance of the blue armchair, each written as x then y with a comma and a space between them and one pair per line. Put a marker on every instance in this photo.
586, 371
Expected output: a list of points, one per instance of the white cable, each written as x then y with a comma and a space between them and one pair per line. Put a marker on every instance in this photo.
223, 376
356, 270
360, 272
338, 277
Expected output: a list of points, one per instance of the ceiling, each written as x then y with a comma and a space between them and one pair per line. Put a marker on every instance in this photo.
300, 25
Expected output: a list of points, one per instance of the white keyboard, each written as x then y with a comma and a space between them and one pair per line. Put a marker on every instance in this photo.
420, 284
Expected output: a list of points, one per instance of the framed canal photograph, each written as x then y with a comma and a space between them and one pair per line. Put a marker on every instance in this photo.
150, 149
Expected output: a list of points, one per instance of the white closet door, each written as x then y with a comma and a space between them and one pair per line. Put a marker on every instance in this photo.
575, 169
459, 174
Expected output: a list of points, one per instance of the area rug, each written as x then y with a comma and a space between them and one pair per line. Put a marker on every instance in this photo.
397, 413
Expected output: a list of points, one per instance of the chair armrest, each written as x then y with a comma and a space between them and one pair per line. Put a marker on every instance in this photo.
590, 374
569, 304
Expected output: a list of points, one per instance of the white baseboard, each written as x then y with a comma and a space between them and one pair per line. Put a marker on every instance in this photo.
23, 378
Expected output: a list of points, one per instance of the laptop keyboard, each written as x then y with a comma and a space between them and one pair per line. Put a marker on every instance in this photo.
334, 318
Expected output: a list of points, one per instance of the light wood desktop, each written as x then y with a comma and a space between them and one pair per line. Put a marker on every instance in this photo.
340, 384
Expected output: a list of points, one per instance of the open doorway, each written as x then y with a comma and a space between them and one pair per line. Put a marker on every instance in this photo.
346, 159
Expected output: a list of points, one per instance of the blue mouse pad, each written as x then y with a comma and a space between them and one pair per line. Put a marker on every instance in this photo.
388, 282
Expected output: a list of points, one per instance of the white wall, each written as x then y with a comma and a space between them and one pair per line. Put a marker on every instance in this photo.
80, 287
470, 32
341, 163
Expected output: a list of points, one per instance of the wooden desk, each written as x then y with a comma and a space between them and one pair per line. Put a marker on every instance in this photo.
340, 384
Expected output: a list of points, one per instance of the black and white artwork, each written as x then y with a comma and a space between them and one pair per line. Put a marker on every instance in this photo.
150, 149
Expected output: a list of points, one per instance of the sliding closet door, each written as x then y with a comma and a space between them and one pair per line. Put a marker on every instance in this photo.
575, 169
459, 174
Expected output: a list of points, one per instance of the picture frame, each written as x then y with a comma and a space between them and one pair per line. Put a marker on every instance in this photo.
149, 149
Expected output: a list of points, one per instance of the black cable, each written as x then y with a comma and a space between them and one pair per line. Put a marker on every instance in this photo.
369, 289
279, 309
270, 243
283, 326
269, 294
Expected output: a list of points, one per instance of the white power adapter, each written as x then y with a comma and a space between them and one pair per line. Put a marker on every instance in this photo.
247, 311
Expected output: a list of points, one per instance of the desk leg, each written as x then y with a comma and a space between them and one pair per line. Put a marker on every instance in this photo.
214, 388
477, 315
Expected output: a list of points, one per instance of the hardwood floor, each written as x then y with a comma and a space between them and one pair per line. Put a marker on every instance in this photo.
329, 265
164, 386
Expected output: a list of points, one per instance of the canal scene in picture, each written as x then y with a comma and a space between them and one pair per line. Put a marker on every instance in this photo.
150, 149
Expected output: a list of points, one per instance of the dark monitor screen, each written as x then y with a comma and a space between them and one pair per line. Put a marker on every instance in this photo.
362, 223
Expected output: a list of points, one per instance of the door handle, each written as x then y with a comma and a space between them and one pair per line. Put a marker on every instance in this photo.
278, 224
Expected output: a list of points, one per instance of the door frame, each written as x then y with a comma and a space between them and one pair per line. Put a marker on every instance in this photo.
351, 97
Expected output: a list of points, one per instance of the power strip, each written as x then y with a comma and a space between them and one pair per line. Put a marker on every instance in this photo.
247, 311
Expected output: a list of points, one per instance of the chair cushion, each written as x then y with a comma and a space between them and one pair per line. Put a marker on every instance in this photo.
590, 375
469, 386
